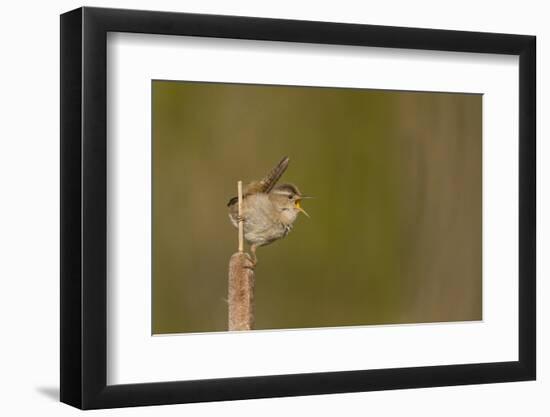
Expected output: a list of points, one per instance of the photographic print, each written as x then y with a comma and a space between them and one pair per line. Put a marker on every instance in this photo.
359, 207
339, 198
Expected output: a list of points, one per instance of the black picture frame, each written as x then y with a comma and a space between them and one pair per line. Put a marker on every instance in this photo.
84, 207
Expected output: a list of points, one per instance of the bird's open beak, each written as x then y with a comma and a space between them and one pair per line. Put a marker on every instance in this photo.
299, 207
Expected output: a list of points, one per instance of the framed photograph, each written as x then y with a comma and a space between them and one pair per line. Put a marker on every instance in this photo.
258, 208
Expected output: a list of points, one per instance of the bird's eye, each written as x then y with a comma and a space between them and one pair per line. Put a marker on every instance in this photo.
290, 197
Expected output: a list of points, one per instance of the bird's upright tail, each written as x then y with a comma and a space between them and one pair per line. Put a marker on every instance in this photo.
269, 181
266, 184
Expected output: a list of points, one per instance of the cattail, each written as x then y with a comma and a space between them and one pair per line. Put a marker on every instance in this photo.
241, 293
241, 281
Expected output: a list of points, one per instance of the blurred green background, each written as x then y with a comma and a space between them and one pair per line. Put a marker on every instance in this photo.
395, 228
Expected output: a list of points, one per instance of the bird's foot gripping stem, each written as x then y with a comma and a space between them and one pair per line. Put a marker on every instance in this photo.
251, 259
250, 262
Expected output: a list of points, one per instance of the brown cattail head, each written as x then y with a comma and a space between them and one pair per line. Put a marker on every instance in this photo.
240, 293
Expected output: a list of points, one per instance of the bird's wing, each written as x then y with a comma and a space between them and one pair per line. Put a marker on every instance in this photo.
266, 184
232, 200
